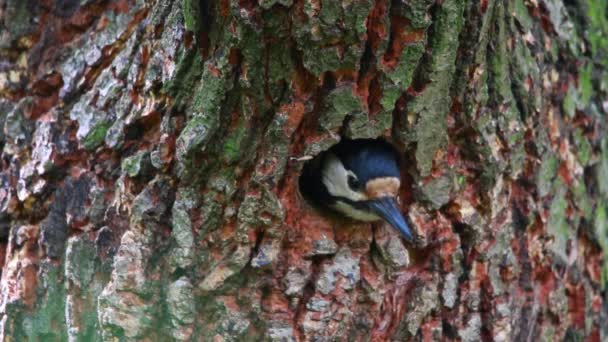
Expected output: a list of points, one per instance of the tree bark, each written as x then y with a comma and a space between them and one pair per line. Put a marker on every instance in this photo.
151, 153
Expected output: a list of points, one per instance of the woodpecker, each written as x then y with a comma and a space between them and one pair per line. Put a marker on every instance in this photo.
359, 179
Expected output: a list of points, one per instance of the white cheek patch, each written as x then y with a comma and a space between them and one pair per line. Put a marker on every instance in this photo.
335, 178
356, 214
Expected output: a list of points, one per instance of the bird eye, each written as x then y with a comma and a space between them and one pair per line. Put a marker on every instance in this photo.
353, 182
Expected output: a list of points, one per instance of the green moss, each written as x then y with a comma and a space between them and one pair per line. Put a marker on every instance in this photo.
232, 146
80, 261
330, 12
557, 225
196, 134
189, 70
546, 174
48, 321
601, 233
213, 86
18, 20
522, 15
316, 35
408, 61
267, 4
192, 14
434, 103
338, 104
96, 136
569, 104
390, 95
585, 85
602, 169
280, 70
205, 109
500, 77
417, 11
362, 126
319, 60
518, 157
344, 101
596, 34
134, 165
582, 199
524, 67
583, 147
252, 51
182, 253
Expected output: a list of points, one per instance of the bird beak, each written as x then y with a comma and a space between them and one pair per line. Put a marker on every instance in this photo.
386, 208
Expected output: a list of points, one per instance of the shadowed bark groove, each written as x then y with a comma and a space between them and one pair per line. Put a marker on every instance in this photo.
151, 152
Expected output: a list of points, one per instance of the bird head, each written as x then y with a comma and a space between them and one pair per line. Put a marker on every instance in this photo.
362, 179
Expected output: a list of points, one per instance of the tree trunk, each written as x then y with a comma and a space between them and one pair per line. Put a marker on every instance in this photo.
151, 154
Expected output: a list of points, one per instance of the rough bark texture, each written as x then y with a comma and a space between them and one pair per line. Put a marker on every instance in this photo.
151, 151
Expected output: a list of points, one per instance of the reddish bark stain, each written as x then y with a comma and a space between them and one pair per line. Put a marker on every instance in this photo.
402, 35
248, 5
234, 56
395, 303
447, 249
484, 6
345, 76
214, 70
3, 248
167, 148
545, 280
362, 87
48, 84
376, 32
452, 155
576, 305
224, 8
428, 328
593, 266
565, 174
42, 105
596, 303
121, 6
594, 335
227, 230
230, 303
267, 167
370, 274
304, 83
276, 303
28, 281
295, 113
375, 95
